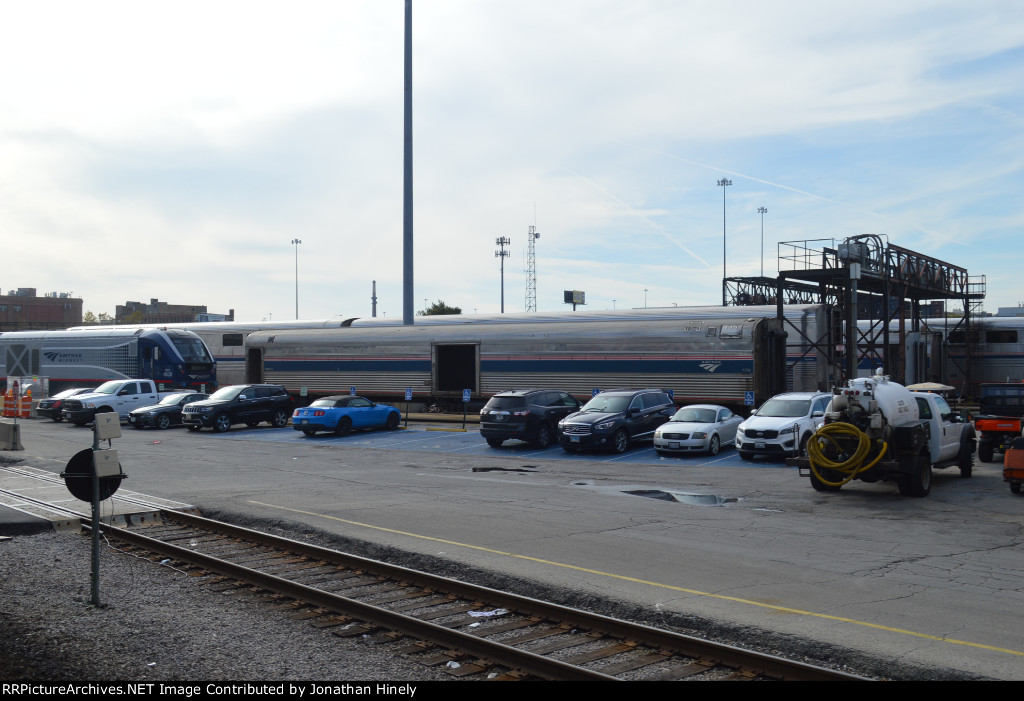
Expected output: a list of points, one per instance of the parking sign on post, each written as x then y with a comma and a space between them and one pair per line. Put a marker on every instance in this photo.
466, 394
748, 398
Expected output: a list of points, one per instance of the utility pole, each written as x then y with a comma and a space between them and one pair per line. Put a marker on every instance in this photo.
723, 183
762, 211
296, 243
503, 254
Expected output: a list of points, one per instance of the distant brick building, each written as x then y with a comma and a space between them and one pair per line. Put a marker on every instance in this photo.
157, 312
22, 310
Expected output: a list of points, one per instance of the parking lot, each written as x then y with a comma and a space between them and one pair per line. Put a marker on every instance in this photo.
452, 438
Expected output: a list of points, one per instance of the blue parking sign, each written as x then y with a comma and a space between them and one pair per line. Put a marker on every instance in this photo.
748, 398
466, 394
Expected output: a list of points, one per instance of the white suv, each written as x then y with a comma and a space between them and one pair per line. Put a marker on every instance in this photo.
782, 426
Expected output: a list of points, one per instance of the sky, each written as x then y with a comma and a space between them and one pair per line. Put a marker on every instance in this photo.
175, 151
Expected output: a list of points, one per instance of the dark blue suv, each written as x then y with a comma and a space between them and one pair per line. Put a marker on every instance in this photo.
614, 419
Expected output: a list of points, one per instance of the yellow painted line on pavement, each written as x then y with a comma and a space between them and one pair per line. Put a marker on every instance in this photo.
749, 602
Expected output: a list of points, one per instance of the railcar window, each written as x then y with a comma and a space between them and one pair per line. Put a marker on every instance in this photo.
1001, 336
232, 339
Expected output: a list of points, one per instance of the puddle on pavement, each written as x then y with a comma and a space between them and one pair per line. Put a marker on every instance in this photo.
682, 497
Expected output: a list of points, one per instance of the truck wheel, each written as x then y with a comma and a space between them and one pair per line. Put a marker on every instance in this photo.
1015, 487
985, 451
917, 483
830, 475
966, 461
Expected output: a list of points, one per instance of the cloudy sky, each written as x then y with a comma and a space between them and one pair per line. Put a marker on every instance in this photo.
174, 151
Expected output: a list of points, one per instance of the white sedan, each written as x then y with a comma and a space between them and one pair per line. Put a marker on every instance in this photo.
698, 428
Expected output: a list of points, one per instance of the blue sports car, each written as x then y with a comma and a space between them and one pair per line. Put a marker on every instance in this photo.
342, 414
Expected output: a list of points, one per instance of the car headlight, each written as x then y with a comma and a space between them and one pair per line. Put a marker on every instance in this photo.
794, 429
88, 405
604, 425
699, 434
657, 433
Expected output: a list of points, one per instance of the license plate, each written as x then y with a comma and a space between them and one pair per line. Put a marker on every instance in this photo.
673, 444
305, 421
574, 439
759, 445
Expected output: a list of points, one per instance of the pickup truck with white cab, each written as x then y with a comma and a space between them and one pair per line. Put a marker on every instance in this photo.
879, 430
116, 395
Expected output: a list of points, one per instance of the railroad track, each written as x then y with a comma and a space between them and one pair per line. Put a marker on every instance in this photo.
441, 620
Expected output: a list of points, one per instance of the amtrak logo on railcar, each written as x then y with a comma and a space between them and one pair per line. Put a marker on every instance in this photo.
711, 365
57, 357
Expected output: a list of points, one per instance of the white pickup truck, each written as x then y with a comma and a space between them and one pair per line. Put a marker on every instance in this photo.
878, 430
116, 395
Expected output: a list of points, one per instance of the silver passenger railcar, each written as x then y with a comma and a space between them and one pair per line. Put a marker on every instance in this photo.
707, 354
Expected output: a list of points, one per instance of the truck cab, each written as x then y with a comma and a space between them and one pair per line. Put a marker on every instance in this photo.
946, 427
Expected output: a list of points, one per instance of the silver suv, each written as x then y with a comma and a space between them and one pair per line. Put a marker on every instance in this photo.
781, 426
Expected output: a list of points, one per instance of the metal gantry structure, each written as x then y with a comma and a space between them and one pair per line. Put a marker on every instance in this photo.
875, 291
531, 269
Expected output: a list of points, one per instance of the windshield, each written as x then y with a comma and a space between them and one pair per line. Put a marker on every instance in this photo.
607, 405
700, 416
785, 407
109, 387
192, 349
174, 398
227, 392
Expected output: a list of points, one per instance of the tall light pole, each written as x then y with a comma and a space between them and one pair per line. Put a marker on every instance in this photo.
762, 211
408, 313
296, 243
503, 254
723, 183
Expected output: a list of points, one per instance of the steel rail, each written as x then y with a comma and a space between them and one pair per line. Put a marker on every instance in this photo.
666, 641
424, 630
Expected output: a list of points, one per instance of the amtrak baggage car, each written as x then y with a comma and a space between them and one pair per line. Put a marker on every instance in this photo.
715, 354
172, 358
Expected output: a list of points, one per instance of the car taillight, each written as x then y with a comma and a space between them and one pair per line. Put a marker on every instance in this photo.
295, 413
521, 412
318, 413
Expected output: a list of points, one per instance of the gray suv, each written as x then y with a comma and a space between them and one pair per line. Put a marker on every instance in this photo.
614, 419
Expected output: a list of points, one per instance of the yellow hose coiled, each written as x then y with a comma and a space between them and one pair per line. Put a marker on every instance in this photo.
850, 467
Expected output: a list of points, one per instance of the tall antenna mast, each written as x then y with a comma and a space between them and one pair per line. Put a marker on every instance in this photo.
531, 270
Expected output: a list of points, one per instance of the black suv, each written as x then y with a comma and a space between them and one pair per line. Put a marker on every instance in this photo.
527, 414
613, 419
239, 404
